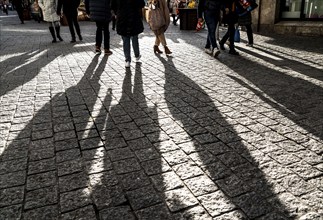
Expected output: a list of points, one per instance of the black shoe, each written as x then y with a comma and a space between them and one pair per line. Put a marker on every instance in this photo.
60, 38
73, 40
233, 52
54, 41
80, 37
222, 46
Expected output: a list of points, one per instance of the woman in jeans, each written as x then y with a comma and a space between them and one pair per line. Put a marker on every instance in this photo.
129, 25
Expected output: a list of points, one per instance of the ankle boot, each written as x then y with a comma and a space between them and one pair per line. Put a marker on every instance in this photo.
52, 31
167, 51
156, 49
58, 33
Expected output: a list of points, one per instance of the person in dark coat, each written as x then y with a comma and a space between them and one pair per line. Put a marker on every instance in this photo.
70, 11
19, 9
100, 12
230, 17
129, 25
245, 19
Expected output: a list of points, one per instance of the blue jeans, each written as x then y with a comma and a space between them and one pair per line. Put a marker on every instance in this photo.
126, 46
102, 26
211, 20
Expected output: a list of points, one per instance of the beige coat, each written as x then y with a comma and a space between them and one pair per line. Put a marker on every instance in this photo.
48, 8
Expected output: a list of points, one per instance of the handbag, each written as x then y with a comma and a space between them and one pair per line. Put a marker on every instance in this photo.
237, 35
156, 18
63, 20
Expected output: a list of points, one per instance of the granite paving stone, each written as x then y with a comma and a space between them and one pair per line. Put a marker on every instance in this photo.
174, 137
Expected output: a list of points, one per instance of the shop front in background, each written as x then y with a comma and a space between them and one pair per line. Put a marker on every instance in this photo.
301, 10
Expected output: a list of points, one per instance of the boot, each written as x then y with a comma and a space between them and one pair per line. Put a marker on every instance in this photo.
156, 49
52, 31
167, 51
57, 28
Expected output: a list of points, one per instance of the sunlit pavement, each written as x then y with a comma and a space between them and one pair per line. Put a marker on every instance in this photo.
180, 137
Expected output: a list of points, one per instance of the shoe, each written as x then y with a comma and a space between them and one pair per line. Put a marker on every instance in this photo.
222, 46
208, 50
138, 58
233, 52
107, 52
216, 52
127, 64
249, 45
156, 49
97, 49
60, 38
54, 41
73, 40
167, 51
80, 37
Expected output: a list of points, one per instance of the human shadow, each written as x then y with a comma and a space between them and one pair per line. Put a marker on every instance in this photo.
297, 99
41, 164
300, 65
238, 186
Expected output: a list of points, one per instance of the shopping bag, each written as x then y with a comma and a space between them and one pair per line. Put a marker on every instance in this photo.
237, 35
63, 20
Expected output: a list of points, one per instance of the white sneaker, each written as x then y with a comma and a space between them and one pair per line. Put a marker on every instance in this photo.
138, 58
208, 50
127, 64
216, 52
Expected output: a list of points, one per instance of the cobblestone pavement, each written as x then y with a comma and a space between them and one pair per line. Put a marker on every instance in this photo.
183, 137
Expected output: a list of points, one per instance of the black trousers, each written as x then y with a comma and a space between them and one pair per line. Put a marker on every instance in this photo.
102, 27
72, 22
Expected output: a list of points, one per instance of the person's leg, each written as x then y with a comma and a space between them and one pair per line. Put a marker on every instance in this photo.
211, 20
106, 32
98, 35
126, 48
157, 42
76, 25
20, 14
249, 34
224, 39
52, 31
114, 23
135, 45
70, 26
231, 30
58, 29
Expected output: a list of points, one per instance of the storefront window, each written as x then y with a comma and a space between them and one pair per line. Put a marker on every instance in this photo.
313, 9
291, 8
302, 9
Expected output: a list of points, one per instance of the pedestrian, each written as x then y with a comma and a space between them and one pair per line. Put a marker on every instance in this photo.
71, 12
100, 12
5, 7
230, 18
158, 20
114, 21
245, 19
129, 25
173, 9
211, 11
20, 10
48, 8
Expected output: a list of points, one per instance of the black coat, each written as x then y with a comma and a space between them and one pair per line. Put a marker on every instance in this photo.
69, 6
129, 16
99, 10
232, 16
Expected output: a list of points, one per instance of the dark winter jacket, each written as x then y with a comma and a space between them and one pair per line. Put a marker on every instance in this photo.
129, 16
210, 5
69, 6
231, 17
99, 10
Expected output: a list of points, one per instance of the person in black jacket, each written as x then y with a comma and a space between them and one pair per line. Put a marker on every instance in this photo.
70, 11
100, 12
129, 25
230, 17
